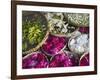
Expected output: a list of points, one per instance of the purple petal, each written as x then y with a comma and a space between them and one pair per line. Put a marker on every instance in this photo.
84, 30
64, 59
35, 60
84, 61
53, 44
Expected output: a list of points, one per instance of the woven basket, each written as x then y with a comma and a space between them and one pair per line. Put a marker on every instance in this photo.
45, 37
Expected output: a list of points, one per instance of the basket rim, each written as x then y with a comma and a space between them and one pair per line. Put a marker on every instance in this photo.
85, 53
42, 41
38, 46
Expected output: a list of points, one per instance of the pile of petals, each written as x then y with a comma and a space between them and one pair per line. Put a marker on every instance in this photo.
35, 60
84, 60
53, 53
54, 44
64, 59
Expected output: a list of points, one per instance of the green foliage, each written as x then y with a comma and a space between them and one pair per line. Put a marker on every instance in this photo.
56, 17
32, 33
